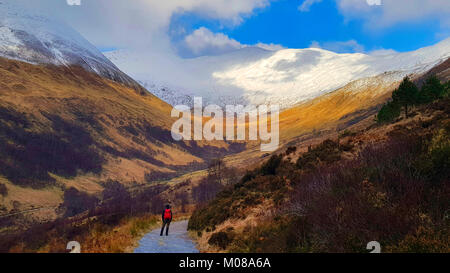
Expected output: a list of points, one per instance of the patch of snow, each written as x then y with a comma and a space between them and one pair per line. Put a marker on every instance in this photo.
255, 76
30, 37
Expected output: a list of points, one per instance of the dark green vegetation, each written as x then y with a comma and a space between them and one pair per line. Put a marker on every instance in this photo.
408, 95
395, 191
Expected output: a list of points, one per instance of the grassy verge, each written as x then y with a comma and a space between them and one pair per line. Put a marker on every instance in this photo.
98, 237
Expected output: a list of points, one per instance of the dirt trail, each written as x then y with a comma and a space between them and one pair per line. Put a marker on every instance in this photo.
178, 241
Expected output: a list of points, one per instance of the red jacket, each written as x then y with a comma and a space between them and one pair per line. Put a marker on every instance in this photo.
167, 215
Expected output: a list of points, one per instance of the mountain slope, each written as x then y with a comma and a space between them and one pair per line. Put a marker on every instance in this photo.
256, 76
70, 119
351, 107
64, 127
28, 36
385, 182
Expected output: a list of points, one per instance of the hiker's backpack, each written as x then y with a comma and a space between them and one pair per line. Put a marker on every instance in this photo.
167, 214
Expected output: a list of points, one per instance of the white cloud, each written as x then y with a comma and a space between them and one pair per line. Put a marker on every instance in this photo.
140, 22
315, 44
203, 42
270, 47
382, 52
306, 5
391, 12
351, 46
146, 24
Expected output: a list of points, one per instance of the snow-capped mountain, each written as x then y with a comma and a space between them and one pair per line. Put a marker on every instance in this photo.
257, 76
28, 36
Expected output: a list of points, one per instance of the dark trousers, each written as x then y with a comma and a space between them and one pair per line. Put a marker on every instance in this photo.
165, 223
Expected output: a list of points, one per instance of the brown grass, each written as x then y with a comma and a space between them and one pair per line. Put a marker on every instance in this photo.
100, 238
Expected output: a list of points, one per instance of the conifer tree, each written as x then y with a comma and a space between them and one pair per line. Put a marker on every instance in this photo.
406, 94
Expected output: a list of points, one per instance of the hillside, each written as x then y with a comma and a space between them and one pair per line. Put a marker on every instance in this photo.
64, 127
29, 36
383, 182
71, 120
353, 106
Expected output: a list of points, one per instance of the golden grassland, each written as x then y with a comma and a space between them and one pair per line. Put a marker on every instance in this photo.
329, 110
65, 91
84, 98
311, 122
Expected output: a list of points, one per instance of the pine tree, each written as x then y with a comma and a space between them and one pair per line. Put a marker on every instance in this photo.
431, 90
406, 94
388, 112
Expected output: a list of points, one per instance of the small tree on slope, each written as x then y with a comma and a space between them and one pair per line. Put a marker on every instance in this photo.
406, 94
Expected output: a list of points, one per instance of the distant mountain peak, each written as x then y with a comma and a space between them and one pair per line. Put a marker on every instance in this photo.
255, 76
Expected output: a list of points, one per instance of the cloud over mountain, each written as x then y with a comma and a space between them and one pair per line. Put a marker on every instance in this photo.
204, 42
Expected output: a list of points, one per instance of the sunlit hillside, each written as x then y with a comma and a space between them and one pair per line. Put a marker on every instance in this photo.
351, 106
63, 127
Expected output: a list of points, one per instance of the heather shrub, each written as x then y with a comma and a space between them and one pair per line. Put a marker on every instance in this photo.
206, 190
380, 196
274, 236
221, 239
76, 202
3, 190
327, 152
291, 150
270, 167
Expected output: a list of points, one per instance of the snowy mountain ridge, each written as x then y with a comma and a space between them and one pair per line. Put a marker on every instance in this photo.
31, 37
256, 76
250, 75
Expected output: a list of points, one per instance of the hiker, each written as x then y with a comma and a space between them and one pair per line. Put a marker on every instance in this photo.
166, 219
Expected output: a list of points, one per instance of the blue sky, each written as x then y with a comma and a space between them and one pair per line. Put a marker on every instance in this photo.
284, 24
325, 24
191, 28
